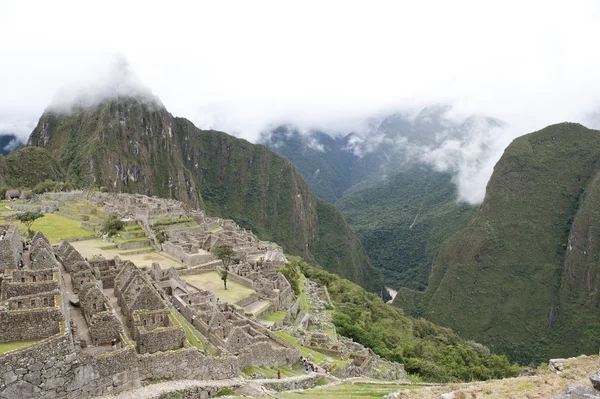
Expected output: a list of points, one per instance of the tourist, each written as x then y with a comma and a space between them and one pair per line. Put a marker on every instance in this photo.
113, 342
278, 374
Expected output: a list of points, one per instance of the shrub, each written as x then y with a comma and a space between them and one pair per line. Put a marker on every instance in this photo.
113, 225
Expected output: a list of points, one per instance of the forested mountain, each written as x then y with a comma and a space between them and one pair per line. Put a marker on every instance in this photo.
402, 222
383, 182
523, 276
132, 144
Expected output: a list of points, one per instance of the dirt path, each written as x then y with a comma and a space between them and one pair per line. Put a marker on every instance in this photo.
67, 289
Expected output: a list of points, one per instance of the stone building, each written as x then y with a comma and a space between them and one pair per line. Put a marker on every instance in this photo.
99, 315
11, 247
148, 317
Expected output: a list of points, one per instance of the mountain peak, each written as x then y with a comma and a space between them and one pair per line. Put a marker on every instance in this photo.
114, 81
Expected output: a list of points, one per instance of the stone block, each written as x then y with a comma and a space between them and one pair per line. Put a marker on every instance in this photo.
21, 389
34, 378
119, 379
37, 366
595, 379
9, 377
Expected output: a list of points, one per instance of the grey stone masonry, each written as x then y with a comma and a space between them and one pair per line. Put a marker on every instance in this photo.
11, 247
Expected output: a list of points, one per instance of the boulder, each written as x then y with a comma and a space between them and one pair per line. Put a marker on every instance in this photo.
579, 392
556, 365
595, 379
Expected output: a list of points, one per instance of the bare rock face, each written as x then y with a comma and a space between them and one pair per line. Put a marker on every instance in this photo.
579, 392
595, 379
556, 365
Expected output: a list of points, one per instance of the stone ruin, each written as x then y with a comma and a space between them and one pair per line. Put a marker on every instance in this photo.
78, 307
30, 304
148, 317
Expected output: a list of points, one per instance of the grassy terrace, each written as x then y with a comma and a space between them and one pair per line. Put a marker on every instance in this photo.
356, 391
10, 346
122, 240
271, 372
318, 357
91, 248
275, 317
211, 281
303, 301
57, 227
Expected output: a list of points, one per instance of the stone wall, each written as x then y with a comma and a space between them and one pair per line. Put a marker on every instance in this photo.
103, 327
10, 289
160, 339
11, 248
44, 300
29, 324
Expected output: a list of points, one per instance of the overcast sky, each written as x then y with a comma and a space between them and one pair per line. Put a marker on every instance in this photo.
238, 66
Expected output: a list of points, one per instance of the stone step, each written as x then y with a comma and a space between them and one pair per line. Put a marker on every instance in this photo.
144, 250
135, 234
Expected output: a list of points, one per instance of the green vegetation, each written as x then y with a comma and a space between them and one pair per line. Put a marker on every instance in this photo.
27, 218
211, 281
275, 317
226, 392
30, 166
435, 353
519, 278
318, 357
57, 227
113, 225
337, 248
10, 346
271, 372
193, 336
403, 221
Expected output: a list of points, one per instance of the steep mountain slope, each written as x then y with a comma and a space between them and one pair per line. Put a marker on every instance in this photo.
522, 276
325, 162
134, 145
402, 222
27, 167
381, 182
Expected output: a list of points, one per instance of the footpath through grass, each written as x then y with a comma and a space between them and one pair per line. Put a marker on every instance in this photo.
193, 336
356, 391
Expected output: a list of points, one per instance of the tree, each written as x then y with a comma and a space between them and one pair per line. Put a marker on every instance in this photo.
225, 253
224, 278
27, 218
112, 225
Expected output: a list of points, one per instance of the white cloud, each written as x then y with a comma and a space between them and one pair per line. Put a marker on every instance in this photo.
241, 66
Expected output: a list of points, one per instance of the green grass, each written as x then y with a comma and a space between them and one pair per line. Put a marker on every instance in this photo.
57, 227
211, 281
193, 336
343, 391
275, 317
318, 358
303, 300
123, 240
271, 372
10, 346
